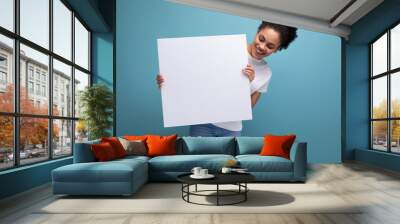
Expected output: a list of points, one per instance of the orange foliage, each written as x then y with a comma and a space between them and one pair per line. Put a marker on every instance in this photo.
33, 130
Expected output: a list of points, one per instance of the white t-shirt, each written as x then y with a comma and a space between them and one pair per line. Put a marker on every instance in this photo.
260, 84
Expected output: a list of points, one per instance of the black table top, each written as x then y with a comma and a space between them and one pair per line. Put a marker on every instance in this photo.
220, 178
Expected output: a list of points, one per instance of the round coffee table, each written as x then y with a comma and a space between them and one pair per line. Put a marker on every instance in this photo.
238, 179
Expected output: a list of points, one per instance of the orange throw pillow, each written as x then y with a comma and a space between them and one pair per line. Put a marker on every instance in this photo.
103, 152
277, 145
161, 145
116, 145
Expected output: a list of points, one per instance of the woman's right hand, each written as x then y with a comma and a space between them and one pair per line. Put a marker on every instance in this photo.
160, 80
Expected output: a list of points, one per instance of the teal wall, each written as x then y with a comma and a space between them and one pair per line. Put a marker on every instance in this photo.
24, 178
304, 95
102, 58
357, 84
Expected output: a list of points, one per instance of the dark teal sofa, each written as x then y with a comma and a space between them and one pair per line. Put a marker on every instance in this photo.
125, 176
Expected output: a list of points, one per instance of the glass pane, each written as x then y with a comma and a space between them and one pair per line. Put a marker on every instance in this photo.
6, 142
62, 138
62, 89
6, 74
62, 29
379, 135
34, 97
35, 21
395, 136
81, 131
395, 47
395, 94
7, 14
379, 55
81, 81
379, 100
81, 45
33, 140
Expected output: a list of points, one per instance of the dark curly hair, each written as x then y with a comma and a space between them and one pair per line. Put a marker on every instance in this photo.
287, 33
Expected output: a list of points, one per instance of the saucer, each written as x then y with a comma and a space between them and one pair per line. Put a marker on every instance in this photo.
208, 176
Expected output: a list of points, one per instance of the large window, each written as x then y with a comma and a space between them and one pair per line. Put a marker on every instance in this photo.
385, 91
44, 64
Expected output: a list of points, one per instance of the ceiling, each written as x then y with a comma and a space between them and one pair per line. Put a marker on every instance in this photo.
326, 16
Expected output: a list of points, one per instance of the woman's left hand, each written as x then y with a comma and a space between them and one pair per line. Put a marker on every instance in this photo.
249, 72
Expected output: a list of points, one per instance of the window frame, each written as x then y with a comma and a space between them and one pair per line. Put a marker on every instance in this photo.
16, 114
388, 74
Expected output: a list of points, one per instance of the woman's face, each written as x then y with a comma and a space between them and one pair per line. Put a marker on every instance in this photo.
266, 42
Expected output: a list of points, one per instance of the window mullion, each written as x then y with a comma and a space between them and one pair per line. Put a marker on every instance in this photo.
50, 87
371, 88
389, 93
16, 84
73, 82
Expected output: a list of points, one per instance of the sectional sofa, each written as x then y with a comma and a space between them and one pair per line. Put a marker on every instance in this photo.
125, 176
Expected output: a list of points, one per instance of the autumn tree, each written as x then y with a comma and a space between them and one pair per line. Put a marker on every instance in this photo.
380, 127
33, 130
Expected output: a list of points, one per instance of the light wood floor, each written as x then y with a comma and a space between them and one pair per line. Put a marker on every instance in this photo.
378, 188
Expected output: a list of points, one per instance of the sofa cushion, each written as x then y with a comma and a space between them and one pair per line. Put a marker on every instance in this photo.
111, 171
185, 163
208, 145
83, 152
249, 145
257, 163
133, 158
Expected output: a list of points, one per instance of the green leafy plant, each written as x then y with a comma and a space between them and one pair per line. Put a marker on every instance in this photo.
96, 102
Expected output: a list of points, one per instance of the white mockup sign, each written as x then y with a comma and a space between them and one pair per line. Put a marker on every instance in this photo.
204, 82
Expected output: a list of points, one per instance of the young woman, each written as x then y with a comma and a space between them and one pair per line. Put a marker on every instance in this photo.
269, 39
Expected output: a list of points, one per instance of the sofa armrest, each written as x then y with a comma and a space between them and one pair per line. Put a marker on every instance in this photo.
83, 152
299, 158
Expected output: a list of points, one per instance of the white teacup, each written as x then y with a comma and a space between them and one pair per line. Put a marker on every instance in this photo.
226, 170
203, 172
196, 171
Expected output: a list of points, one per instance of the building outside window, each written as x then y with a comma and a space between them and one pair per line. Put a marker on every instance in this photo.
3, 61
43, 90
37, 75
3, 72
30, 87
30, 72
43, 78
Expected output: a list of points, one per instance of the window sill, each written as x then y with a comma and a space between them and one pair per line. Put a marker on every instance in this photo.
25, 167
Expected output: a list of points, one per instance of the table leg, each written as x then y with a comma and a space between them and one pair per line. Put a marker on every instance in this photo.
217, 194
245, 193
196, 188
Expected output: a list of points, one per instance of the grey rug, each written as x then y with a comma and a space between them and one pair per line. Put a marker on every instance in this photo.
166, 198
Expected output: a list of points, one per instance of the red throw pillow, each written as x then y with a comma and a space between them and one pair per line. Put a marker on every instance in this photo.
277, 145
116, 145
161, 145
103, 151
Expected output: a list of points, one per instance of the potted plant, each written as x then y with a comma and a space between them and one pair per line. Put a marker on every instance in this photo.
96, 102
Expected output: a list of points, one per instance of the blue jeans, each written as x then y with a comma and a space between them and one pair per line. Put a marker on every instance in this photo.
210, 130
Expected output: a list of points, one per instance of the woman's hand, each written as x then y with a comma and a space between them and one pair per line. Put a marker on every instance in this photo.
249, 72
160, 80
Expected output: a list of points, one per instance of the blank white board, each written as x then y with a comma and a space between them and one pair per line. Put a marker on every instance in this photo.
204, 82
